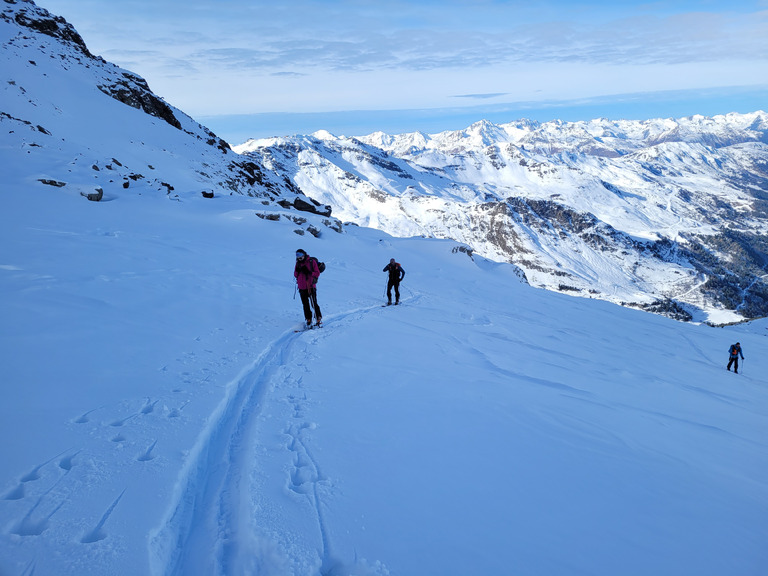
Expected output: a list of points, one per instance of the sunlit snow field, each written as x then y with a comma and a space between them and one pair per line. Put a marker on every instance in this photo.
161, 416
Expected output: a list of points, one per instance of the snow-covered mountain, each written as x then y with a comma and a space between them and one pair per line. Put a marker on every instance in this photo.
71, 120
162, 417
669, 215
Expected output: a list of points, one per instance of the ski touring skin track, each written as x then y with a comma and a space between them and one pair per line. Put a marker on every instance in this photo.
208, 518
213, 493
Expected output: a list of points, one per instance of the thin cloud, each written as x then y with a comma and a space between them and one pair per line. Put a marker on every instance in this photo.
288, 74
481, 96
648, 39
293, 57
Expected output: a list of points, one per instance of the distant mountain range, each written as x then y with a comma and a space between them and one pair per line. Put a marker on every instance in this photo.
666, 215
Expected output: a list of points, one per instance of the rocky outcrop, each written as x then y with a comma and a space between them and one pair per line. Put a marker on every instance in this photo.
28, 15
134, 91
312, 206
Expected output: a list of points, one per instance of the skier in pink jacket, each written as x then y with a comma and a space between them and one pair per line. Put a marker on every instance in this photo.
306, 273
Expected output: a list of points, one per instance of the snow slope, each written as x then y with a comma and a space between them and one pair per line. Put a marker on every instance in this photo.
70, 119
161, 415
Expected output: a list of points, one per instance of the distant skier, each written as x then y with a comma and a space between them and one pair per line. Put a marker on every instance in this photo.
735, 352
396, 275
306, 273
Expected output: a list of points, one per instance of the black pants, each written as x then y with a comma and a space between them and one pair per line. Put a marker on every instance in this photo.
396, 285
309, 296
735, 361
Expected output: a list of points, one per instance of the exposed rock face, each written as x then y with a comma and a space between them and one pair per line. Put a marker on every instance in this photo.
135, 92
312, 206
35, 18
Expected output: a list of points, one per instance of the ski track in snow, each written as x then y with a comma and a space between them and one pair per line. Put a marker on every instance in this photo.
208, 522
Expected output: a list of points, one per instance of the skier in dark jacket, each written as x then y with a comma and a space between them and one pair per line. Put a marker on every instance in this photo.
396, 275
306, 273
735, 352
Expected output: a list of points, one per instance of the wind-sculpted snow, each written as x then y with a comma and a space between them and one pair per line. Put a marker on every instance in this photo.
645, 184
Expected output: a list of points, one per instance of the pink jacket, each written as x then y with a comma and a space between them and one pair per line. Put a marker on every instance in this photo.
306, 273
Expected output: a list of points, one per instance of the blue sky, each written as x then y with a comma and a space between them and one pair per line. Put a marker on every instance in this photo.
256, 68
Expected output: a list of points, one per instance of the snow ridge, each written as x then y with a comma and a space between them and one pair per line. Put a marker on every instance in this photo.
103, 132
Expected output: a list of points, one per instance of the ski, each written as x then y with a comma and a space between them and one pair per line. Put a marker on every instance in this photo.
309, 327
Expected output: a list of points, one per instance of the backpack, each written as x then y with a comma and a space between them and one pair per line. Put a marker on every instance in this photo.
320, 265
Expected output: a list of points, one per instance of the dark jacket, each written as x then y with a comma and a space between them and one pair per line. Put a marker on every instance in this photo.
396, 272
735, 351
